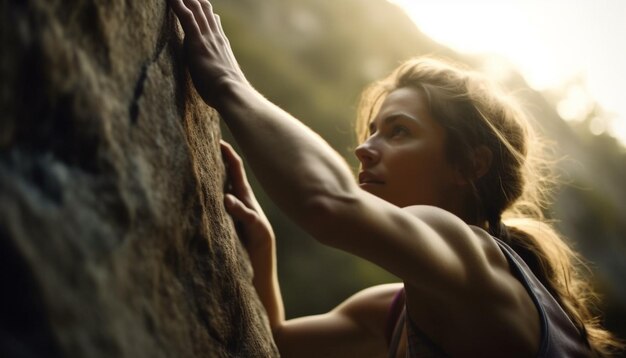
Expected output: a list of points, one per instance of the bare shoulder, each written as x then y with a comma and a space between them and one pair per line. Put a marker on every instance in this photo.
377, 294
471, 243
369, 307
486, 271
356, 328
442, 221
489, 305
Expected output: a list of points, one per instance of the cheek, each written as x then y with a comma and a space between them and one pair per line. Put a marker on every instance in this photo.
411, 174
427, 169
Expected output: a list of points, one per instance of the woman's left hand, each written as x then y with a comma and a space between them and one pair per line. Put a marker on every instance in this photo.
210, 58
256, 233
254, 229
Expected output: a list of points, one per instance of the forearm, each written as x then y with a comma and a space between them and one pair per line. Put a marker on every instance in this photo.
265, 282
293, 163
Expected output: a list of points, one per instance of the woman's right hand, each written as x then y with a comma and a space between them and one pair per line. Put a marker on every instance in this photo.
253, 228
209, 56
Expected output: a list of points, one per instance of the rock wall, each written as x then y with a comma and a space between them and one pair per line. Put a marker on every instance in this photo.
113, 237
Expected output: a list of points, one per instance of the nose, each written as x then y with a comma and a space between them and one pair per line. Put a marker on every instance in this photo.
367, 154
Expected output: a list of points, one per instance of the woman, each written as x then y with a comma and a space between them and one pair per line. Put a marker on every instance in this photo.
443, 156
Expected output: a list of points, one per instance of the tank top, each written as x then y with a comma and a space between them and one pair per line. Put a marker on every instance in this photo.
559, 336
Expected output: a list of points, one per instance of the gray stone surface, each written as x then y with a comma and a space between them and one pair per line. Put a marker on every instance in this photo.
113, 237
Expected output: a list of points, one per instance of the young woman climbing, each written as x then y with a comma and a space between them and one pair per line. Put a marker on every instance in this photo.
445, 156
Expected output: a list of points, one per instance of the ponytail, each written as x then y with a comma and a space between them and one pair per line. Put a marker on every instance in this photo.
562, 271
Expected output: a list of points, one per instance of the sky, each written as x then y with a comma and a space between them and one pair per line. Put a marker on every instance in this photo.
551, 42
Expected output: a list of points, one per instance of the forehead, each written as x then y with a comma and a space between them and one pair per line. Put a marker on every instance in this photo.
404, 100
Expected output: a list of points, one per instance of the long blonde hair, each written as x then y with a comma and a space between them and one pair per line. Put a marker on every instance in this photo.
475, 112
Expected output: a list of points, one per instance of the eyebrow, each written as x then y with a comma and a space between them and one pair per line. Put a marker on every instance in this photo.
394, 117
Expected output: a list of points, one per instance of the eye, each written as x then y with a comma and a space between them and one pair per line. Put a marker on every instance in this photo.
399, 131
371, 129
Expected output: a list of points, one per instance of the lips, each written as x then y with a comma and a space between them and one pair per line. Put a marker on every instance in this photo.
369, 178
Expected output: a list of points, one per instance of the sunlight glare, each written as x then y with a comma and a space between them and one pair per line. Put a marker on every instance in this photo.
549, 42
597, 126
576, 105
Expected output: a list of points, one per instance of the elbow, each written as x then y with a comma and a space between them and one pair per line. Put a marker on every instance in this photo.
278, 338
287, 343
276, 332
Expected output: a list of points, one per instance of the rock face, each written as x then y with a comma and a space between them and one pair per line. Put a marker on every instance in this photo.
113, 237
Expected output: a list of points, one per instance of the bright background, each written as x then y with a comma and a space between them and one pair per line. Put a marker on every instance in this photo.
580, 44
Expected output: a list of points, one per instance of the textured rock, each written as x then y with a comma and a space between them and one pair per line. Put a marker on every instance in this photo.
113, 237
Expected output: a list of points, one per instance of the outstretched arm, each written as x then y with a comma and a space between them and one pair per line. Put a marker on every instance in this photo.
310, 182
294, 165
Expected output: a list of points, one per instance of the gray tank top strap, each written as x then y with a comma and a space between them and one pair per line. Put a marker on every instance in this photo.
559, 336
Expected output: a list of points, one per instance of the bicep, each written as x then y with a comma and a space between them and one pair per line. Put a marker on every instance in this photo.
353, 329
424, 246
327, 335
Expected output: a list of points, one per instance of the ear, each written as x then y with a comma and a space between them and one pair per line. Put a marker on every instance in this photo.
482, 161
480, 165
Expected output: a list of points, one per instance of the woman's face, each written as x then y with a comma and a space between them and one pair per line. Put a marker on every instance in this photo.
403, 161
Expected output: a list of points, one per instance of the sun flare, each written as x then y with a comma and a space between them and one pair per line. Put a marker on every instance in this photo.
549, 42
